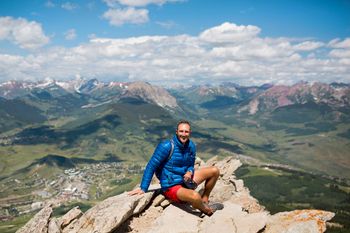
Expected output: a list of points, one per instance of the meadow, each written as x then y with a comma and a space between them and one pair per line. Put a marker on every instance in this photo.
281, 190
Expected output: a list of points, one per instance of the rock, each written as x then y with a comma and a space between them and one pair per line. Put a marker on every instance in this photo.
233, 219
108, 215
71, 215
54, 226
238, 185
227, 166
220, 221
175, 219
165, 203
144, 201
199, 162
299, 221
39, 223
248, 203
228, 188
212, 161
141, 223
158, 200
151, 212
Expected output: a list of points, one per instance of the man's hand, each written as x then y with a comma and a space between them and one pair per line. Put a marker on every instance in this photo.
188, 176
137, 191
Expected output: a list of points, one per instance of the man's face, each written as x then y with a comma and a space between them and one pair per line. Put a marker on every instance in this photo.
183, 132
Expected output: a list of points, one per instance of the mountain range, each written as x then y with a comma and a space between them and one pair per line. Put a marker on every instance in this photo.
89, 118
51, 129
252, 99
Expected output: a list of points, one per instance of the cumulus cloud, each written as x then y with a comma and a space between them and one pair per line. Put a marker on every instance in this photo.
308, 45
118, 17
191, 59
340, 50
340, 53
70, 34
25, 34
137, 3
229, 33
337, 43
131, 11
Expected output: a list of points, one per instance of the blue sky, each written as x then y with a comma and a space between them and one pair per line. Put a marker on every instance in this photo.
176, 41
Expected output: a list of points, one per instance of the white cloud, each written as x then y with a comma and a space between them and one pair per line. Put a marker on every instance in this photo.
308, 45
118, 17
69, 6
189, 59
337, 43
137, 3
70, 34
129, 11
229, 33
340, 53
26, 34
255, 48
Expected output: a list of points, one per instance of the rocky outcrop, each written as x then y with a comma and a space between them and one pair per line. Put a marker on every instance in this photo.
151, 94
38, 224
311, 221
152, 213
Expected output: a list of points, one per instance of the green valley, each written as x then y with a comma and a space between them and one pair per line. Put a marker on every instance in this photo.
67, 147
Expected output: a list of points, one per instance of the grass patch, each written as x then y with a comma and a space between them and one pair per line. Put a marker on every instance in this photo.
63, 209
13, 225
295, 190
127, 185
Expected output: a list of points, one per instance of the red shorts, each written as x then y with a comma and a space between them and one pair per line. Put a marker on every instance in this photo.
170, 193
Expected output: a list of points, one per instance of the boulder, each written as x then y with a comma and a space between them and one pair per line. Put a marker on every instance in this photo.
233, 219
299, 221
54, 226
39, 223
176, 219
151, 212
109, 214
69, 217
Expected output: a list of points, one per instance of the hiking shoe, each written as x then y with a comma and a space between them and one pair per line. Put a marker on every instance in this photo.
214, 207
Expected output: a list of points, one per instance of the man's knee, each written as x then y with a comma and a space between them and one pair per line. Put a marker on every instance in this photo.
188, 195
215, 171
195, 197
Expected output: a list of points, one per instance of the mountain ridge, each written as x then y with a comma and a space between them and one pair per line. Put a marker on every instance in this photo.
300, 93
107, 120
252, 99
151, 212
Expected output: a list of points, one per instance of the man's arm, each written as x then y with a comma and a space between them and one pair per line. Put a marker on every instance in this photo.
137, 191
158, 158
190, 169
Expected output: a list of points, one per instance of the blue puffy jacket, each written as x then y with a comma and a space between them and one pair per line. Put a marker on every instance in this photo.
170, 172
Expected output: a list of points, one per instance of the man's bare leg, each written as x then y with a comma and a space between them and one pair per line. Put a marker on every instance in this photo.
210, 175
194, 198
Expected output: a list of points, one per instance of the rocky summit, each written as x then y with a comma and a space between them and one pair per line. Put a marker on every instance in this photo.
152, 213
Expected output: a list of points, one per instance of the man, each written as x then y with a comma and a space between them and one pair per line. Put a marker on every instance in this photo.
173, 171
